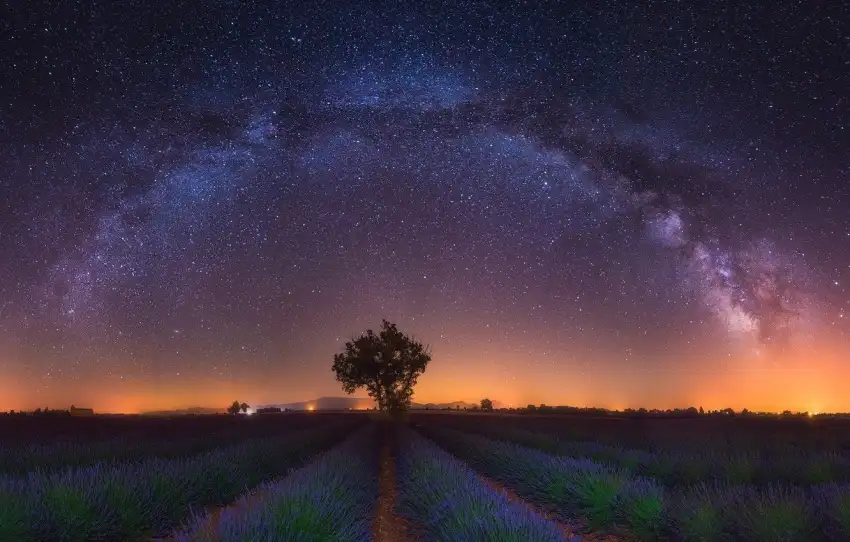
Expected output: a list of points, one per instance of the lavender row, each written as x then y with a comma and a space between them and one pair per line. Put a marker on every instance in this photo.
331, 499
66, 454
678, 468
450, 502
130, 500
613, 499
694, 433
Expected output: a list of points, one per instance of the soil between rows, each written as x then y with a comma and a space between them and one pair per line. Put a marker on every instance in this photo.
387, 525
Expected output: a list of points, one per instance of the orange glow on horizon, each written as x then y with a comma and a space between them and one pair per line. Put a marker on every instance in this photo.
802, 382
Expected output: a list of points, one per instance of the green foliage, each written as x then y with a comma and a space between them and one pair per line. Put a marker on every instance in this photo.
642, 508
691, 470
664, 468
779, 523
698, 517
740, 469
126, 517
165, 493
628, 461
70, 516
302, 516
596, 495
386, 364
557, 490
841, 514
702, 523
819, 469
13, 518
778, 515
217, 481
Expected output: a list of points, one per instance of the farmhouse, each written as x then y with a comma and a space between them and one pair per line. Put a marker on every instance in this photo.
81, 411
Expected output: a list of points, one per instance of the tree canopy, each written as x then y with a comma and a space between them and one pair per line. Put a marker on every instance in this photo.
386, 364
235, 408
486, 405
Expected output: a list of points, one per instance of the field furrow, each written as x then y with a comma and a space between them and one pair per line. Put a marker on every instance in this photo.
674, 468
388, 525
568, 531
133, 500
331, 499
615, 500
448, 502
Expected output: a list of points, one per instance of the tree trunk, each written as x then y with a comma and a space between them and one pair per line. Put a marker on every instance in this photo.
379, 391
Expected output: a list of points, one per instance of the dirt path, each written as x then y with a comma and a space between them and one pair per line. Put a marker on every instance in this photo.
389, 526
566, 530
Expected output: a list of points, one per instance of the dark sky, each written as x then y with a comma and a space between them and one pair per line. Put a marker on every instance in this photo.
630, 204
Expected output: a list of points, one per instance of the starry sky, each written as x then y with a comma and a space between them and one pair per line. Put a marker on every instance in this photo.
623, 205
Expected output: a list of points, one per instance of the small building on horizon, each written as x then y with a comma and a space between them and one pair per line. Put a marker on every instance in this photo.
81, 411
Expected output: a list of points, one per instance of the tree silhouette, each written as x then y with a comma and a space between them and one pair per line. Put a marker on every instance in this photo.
234, 408
244, 407
486, 405
387, 365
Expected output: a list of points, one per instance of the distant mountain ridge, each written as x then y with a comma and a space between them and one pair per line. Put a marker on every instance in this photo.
322, 403
186, 411
454, 405
326, 403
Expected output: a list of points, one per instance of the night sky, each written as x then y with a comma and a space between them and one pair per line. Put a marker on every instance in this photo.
635, 204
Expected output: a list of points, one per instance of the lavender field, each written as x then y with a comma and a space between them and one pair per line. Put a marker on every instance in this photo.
434, 477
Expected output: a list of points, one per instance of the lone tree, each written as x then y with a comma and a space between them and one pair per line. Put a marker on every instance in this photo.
486, 405
387, 365
235, 408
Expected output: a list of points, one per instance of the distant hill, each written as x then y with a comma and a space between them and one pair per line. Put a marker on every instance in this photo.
186, 411
327, 403
441, 406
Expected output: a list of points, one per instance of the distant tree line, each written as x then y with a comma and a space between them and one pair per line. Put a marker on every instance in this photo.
690, 412
40, 413
486, 405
